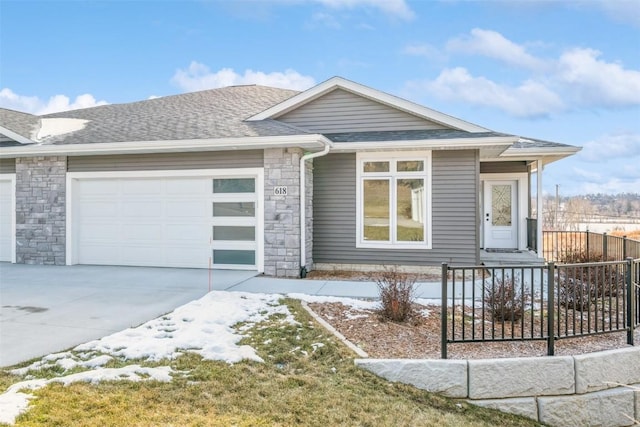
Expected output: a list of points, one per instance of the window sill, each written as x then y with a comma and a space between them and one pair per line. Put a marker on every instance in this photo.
392, 246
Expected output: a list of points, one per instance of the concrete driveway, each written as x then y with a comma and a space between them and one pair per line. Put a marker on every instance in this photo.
46, 309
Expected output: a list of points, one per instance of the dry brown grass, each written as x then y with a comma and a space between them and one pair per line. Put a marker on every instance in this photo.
633, 234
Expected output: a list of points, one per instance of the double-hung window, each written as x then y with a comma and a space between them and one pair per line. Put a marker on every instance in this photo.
394, 200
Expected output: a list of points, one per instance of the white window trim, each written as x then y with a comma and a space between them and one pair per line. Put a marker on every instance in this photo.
362, 157
257, 173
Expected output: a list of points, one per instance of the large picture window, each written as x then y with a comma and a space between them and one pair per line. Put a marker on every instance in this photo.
394, 205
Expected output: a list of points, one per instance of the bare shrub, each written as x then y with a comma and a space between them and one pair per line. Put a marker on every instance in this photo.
581, 286
506, 299
397, 294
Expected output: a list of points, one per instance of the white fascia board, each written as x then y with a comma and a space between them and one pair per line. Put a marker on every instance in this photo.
430, 144
309, 142
15, 136
367, 92
541, 151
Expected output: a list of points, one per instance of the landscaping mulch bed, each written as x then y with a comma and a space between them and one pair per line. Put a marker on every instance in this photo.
419, 338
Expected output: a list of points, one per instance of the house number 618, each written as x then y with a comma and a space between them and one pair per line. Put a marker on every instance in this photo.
280, 191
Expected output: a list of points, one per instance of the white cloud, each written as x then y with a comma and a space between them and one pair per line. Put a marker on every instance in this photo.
398, 8
199, 77
494, 45
530, 99
598, 83
622, 145
35, 105
577, 79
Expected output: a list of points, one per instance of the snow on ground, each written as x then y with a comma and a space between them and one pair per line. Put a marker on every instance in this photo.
204, 326
357, 304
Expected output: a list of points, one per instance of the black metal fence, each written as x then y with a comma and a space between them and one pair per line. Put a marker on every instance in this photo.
586, 246
545, 303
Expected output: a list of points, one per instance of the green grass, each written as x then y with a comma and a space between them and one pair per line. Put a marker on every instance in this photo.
296, 385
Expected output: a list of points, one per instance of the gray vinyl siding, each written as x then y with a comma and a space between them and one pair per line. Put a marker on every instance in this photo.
167, 161
503, 167
454, 210
342, 111
7, 165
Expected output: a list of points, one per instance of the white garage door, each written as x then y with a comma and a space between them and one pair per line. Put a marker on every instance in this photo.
166, 222
6, 223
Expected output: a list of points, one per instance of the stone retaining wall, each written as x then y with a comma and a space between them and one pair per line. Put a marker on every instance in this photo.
596, 389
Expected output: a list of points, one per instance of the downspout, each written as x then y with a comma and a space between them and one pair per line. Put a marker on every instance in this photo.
303, 203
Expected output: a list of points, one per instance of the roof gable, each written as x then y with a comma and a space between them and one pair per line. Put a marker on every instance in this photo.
287, 109
343, 111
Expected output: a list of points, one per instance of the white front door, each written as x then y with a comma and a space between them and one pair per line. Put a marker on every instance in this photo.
500, 214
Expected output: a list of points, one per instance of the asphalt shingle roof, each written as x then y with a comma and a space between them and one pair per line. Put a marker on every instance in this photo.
434, 134
215, 113
23, 124
408, 135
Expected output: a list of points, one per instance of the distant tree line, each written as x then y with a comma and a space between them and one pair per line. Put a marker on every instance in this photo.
566, 213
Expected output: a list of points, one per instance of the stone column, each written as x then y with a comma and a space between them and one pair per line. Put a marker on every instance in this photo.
282, 212
41, 210
309, 214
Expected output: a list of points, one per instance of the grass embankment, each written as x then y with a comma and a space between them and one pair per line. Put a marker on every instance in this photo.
308, 378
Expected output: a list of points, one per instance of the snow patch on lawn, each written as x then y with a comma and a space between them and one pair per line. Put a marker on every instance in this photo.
204, 326
357, 304
14, 401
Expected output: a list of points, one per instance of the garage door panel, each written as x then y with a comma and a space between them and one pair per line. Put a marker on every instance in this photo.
187, 187
105, 253
187, 232
6, 224
102, 231
141, 254
152, 233
150, 209
143, 187
97, 209
187, 209
97, 187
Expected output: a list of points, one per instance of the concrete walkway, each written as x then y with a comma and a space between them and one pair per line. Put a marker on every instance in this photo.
46, 309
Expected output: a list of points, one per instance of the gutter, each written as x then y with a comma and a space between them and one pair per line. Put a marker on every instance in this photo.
303, 205
309, 141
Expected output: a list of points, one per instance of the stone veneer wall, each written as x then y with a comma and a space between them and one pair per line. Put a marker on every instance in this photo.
309, 214
592, 389
40, 210
282, 213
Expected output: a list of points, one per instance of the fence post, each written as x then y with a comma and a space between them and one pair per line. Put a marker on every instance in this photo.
550, 308
443, 312
588, 250
631, 290
605, 251
624, 247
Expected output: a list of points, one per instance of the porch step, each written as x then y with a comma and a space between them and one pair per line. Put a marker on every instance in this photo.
497, 258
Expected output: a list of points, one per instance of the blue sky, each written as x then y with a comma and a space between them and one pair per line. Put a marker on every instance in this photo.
566, 71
